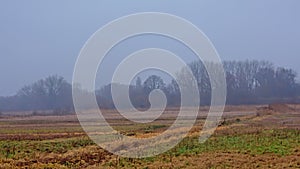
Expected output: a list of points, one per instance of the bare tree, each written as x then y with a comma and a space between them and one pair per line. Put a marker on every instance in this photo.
153, 82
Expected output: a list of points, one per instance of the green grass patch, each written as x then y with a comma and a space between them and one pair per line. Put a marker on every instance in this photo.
280, 142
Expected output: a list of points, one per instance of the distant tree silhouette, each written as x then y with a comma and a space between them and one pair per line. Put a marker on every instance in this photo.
153, 82
52, 92
138, 83
248, 82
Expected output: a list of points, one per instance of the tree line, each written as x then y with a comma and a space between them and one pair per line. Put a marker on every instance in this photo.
248, 82
51, 93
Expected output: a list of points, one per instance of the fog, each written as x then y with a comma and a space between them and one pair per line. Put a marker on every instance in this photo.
39, 39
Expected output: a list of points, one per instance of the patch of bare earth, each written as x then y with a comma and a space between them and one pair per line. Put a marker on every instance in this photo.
237, 120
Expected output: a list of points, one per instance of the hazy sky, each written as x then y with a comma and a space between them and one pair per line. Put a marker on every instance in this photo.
41, 38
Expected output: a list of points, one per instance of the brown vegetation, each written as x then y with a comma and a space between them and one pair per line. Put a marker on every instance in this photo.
243, 140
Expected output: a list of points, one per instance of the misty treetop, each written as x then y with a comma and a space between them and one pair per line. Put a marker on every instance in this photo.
248, 82
51, 93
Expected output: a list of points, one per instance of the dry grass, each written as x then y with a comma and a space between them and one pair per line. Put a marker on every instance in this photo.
248, 137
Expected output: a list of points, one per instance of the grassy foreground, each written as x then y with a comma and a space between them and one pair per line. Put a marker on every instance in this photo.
246, 141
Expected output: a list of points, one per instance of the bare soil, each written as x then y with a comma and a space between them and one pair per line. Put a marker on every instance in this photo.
59, 141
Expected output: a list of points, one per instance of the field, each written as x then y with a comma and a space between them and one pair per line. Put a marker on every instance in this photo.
262, 136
